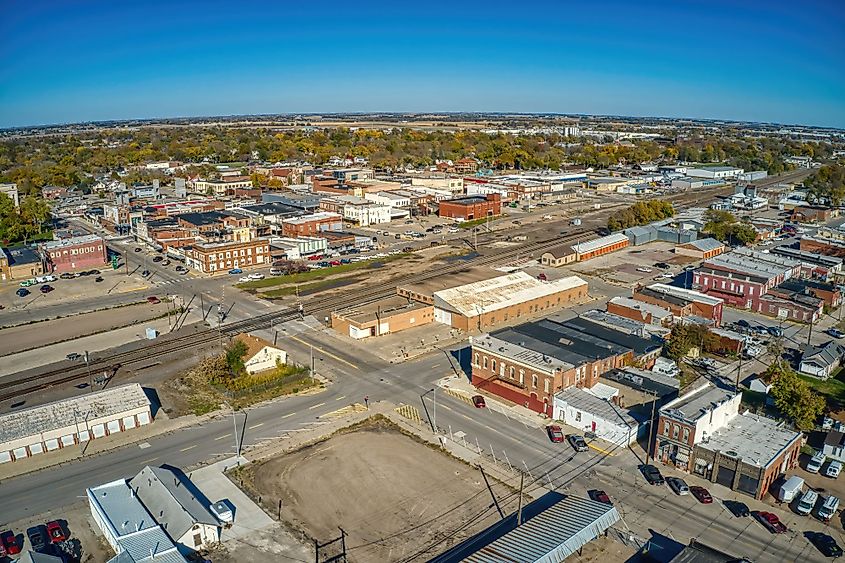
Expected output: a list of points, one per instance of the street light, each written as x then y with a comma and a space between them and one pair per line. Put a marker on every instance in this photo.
433, 421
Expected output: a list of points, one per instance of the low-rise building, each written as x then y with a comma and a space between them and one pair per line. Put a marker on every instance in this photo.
587, 412
701, 249
20, 263
600, 246
693, 183
309, 225
471, 207
640, 311
504, 298
821, 361
216, 257
296, 248
813, 265
70, 422
748, 454
681, 302
380, 318
690, 419
609, 184
723, 172
834, 445
11, 191
559, 256
260, 354
76, 253
53, 192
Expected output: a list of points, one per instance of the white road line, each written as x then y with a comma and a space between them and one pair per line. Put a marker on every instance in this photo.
316, 406
340, 398
288, 415
222, 437
256, 425
188, 448
145, 462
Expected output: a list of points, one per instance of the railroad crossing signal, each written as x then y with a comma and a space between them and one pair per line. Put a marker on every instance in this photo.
114, 264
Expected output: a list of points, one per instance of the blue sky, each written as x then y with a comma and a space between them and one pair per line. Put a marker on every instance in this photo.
747, 60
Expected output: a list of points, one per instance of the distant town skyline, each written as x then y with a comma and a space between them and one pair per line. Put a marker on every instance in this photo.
64, 62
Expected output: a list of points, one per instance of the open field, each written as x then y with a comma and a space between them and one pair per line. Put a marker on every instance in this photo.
397, 499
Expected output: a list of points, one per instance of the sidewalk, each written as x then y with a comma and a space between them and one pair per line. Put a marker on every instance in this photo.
458, 387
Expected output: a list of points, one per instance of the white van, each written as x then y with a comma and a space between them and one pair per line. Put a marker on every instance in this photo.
807, 502
828, 510
790, 489
816, 462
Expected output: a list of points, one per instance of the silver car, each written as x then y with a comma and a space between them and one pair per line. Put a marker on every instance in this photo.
678, 485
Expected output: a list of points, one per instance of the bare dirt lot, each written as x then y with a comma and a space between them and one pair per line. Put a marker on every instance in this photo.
397, 499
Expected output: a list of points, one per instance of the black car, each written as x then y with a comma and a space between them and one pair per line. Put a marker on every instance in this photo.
145, 273
652, 475
775, 331
83, 273
662, 265
67, 276
45, 288
158, 259
22, 292
743, 323
578, 443
93, 272
37, 537
737, 508
99, 279
138, 249
824, 543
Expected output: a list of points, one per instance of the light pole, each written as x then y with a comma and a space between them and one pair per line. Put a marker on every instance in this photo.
88, 368
235, 427
433, 420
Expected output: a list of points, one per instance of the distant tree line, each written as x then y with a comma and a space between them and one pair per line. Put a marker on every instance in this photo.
827, 185
641, 213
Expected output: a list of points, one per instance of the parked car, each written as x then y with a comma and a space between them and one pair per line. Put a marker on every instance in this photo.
137, 249
737, 508
824, 543
816, 462
37, 537
145, 273
45, 288
478, 401
152, 299
181, 268
22, 292
233, 271
652, 475
166, 263
555, 433
834, 469
73, 356
10, 542
775, 331
770, 521
158, 259
678, 485
90, 273
578, 443
56, 532
98, 279
702, 494
662, 265
835, 333
27, 283
743, 323
67, 276
599, 496
828, 509
646, 270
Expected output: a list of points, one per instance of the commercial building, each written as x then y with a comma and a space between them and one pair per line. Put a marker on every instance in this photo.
308, 225
559, 256
454, 185
529, 363
813, 265
70, 422
222, 187
828, 293
216, 257
471, 207
504, 298
75, 253
690, 419
641, 311
749, 454
389, 198
600, 246
587, 412
296, 248
681, 302
384, 317
701, 249
609, 184
692, 183
178, 506
20, 263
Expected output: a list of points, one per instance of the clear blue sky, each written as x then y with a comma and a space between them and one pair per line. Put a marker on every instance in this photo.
744, 59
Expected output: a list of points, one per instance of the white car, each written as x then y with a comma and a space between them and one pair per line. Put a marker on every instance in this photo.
678, 485
833, 469
454, 229
816, 462
646, 270
244, 279
256, 276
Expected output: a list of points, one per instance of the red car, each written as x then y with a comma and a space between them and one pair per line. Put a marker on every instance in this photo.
770, 521
555, 433
55, 531
153, 300
478, 401
335, 262
599, 496
10, 542
702, 494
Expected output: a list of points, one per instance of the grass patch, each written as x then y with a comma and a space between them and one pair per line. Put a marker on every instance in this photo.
474, 222
320, 274
292, 289
832, 389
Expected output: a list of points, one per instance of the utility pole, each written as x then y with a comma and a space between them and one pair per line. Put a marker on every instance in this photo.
810, 332
434, 413
651, 424
519, 512
88, 367
739, 367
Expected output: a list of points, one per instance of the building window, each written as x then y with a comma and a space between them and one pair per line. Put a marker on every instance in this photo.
577, 416
686, 434
546, 385
522, 377
666, 428
675, 430
511, 372
534, 381
502, 370
493, 366
485, 362
476, 359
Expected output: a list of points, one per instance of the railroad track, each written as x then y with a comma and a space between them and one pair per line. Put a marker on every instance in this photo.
19, 387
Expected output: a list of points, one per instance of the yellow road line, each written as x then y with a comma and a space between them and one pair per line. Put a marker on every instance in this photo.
598, 449
316, 406
188, 448
222, 437
329, 354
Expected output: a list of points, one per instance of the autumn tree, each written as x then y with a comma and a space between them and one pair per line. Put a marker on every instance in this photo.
793, 396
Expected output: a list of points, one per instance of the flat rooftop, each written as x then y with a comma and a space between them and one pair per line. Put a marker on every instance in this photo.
380, 309
462, 277
698, 403
73, 241
755, 439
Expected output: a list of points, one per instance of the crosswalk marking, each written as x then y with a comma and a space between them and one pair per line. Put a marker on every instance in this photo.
409, 412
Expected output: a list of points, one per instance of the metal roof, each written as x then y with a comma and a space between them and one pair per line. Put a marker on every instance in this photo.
552, 535
69, 412
592, 245
586, 401
705, 244
500, 292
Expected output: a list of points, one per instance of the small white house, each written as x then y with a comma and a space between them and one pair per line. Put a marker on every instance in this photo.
261, 355
589, 413
834, 445
820, 361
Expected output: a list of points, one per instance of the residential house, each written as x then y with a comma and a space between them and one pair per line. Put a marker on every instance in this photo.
821, 361
834, 445
260, 355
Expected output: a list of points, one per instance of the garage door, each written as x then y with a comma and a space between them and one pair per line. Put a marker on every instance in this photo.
67, 440
84, 435
113, 426
99, 430
36, 448
20, 453
748, 484
52, 444
725, 477
441, 316
5, 457
144, 418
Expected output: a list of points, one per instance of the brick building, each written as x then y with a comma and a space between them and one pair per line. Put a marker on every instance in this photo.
216, 257
640, 311
701, 249
384, 317
472, 207
529, 363
309, 225
600, 246
20, 263
681, 302
826, 246
77, 253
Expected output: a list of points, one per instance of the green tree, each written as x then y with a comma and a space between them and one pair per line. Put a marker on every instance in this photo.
793, 397
235, 357
744, 233
827, 184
